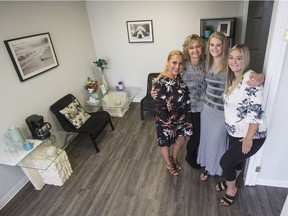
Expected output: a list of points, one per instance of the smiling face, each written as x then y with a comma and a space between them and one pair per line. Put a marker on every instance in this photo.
235, 62
216, 47
175, 65
195, 50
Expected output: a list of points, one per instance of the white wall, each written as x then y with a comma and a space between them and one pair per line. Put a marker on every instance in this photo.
172, 22
68, 25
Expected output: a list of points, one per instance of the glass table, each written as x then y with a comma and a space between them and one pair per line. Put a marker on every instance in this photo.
38, 158
117, 102
42, 168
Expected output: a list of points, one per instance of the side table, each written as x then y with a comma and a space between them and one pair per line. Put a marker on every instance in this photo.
39, 168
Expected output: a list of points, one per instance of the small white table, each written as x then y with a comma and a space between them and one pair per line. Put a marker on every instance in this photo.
39, 168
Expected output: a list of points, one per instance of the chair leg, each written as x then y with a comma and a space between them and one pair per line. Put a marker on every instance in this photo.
111, 124
142, 114
94, 143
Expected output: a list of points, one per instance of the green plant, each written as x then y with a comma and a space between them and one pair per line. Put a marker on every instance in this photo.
101, 63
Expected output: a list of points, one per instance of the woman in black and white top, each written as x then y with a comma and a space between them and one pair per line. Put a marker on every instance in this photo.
244, 119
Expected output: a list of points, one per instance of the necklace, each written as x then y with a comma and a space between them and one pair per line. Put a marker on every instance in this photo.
197, 70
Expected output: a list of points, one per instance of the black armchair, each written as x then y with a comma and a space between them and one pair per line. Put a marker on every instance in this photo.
147, 103
93, 126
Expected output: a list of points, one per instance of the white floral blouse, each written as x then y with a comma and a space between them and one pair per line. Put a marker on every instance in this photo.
244, 106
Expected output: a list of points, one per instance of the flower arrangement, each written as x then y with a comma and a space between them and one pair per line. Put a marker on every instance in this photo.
91, 85
102, 64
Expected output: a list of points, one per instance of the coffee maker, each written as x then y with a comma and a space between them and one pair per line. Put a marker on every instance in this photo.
38, 128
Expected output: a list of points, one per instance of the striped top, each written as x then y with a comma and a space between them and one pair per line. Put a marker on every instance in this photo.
215, 89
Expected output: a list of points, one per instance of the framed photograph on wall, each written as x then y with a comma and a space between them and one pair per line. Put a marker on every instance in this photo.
140, 31
32, 55
224, 27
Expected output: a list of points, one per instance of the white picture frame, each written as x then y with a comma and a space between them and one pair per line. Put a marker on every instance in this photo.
224, 27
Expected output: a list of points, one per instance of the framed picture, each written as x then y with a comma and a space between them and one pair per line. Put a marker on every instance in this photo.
32, 55
224, 27
140, 31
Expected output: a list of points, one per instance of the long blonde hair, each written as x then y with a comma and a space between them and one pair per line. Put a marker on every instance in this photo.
188, 41
209, 59
230, 85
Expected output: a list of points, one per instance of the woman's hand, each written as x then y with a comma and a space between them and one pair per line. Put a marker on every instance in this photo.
153, 93
246, 145
256, 79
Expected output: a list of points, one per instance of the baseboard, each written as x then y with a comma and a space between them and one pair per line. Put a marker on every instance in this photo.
284, 211
137, 100
272, 182
13, 192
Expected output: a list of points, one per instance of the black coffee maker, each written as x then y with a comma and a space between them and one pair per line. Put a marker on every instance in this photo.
38, 128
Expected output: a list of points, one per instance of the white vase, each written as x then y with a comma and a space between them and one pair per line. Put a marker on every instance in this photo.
104, 81
95, 95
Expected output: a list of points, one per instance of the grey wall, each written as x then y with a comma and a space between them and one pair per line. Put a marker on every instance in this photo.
173, 21
68, 25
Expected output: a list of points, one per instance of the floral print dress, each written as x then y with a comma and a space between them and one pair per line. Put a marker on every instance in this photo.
244, 106
173, 110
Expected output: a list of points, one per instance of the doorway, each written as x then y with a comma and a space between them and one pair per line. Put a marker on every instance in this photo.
257, 30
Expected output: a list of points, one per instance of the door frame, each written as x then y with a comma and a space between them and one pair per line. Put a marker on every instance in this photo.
273, 65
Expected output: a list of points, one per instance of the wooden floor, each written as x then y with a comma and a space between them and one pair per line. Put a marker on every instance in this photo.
128, 177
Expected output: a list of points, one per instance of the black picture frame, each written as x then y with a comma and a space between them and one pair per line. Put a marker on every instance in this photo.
32, 55
140, 31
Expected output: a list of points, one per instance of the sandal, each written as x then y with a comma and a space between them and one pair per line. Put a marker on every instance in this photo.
204, 175
176, 163
227, 200
172, 170
221, 186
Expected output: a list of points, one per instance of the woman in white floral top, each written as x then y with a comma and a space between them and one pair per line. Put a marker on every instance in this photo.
244, 119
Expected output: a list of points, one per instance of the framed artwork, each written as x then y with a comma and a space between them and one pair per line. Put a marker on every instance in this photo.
224, 27
140, 31
32, 55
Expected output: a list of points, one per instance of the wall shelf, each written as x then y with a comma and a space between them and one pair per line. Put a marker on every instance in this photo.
227, 25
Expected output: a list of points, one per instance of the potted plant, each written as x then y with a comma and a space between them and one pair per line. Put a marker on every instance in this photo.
208, 31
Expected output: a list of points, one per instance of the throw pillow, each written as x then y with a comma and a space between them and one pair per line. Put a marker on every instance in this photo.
75, 114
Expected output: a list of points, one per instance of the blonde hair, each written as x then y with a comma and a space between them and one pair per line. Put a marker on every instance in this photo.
172, 53
188, 42
209, 59
230, 85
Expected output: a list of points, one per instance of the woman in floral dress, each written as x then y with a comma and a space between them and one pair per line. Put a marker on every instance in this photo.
173, 111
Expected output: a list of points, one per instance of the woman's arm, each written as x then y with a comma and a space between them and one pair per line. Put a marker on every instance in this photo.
247, 141
154, 92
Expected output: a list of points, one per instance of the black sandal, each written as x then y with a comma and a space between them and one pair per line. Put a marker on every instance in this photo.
227, 200
221, 186
204, 175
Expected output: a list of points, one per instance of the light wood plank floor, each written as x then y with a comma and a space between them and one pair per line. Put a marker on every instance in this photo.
128, 177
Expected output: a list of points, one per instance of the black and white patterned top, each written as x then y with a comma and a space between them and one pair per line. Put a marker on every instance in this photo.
244, 106
173, 110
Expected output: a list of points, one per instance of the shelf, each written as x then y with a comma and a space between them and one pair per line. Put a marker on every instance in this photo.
227, 25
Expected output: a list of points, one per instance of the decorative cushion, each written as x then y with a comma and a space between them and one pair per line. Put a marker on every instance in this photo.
75, 114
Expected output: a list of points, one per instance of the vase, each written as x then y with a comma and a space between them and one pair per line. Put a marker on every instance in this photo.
95, 95
104, 81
